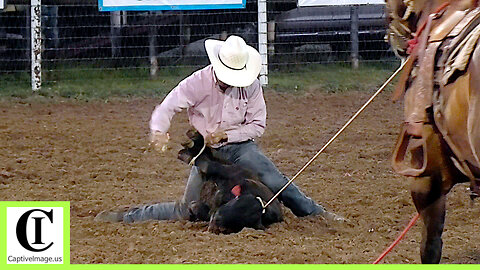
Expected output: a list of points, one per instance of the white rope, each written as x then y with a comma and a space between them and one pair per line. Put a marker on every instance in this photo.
338, 133
192, 162
262, 203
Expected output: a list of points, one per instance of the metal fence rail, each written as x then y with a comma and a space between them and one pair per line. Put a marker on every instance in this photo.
75, 37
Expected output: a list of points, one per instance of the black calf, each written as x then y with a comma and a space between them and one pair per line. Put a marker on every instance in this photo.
231, 196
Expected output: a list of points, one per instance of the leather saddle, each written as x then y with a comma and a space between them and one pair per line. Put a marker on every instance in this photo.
437, 89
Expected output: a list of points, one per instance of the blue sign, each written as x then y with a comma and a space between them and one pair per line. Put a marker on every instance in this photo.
139, 5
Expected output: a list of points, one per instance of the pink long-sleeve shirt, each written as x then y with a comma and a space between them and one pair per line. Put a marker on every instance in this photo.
239, 111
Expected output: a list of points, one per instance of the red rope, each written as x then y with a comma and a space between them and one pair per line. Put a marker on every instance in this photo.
410, 225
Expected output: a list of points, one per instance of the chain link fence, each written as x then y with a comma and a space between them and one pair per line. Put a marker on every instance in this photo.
79, 41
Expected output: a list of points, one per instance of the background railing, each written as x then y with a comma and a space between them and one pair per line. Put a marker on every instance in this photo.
79, 43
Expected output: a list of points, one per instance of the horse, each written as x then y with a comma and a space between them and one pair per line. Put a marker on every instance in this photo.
439, 143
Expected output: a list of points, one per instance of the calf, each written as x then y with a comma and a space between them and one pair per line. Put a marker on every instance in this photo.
231, 198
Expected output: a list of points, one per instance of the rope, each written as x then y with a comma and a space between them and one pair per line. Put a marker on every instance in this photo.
199, 153
262, 203
338, 133
410, 225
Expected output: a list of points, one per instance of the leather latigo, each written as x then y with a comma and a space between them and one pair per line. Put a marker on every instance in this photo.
418, 96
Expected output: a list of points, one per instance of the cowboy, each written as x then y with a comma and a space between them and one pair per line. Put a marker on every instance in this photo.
225, 103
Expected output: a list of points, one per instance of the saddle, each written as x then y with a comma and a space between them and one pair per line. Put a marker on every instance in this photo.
434, 82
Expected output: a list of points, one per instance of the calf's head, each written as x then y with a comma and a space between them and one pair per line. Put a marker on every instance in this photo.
240, 212
192, 147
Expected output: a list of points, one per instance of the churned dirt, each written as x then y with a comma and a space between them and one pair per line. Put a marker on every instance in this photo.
96, 156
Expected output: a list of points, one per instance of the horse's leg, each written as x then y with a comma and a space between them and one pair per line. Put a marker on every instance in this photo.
430, 203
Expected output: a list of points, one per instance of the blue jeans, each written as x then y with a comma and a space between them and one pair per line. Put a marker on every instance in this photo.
246, 154
176, 210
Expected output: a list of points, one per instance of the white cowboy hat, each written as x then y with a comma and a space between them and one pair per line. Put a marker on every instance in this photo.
234, 62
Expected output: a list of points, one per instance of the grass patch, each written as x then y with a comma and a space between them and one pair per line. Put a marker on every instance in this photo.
331, 78
107, 83
93, 83
15, 85
87, 83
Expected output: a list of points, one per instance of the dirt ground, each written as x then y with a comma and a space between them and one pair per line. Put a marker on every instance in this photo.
96, 156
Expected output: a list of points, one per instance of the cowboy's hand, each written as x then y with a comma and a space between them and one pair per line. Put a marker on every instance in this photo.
159, 140
216, 137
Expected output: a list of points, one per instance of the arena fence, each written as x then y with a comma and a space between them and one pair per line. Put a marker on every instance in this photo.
52, 41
